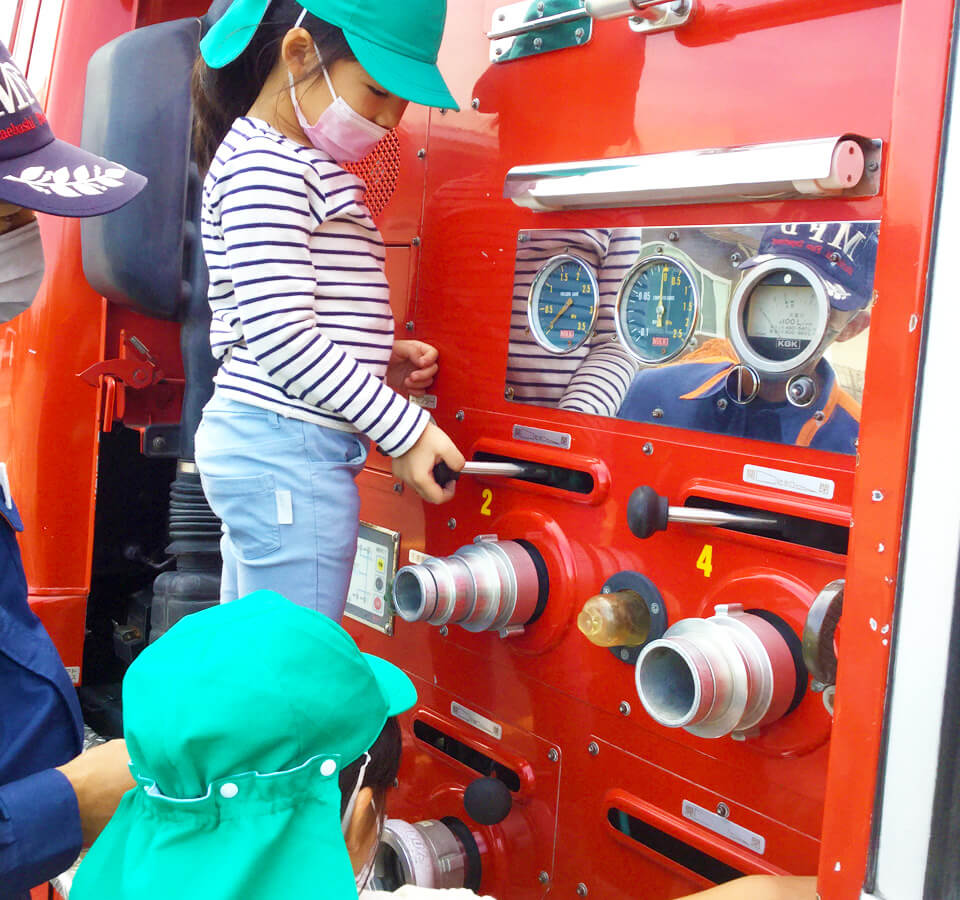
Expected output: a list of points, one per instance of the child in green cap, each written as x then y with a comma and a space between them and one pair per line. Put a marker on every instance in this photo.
285, 93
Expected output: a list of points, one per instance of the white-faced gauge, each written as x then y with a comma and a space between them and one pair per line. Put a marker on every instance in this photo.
562, 307
657, 309
778, 316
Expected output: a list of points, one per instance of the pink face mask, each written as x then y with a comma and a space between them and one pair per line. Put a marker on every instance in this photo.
340, 131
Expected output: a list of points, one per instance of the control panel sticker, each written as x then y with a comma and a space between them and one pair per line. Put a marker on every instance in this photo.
481, 723
374, 567
724, 827
426, 401
541, 436
417, 556
794, 482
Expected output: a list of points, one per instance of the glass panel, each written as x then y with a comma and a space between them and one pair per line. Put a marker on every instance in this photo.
757, 331
44, 42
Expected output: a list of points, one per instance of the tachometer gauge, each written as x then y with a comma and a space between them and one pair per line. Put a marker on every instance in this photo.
778, 316
562, 308
657, 309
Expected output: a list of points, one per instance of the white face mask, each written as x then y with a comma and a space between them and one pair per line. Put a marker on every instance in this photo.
21, 269
340, 131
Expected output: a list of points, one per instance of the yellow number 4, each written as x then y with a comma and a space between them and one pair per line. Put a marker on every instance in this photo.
705, 561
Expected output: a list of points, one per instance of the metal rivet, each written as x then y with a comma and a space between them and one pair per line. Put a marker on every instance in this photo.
723, 810
625, 654
501, 17
444, 631
578, 34
421, 153
159, 443
735, 259
657, 413
880, 547
593, 748
537, 43
647, 449
873, 165
460, 415
624, 708
398, 487
654, 608
581, 890
498, 51
553, 754
409, 325
475, 103
605, 589
673, 236
722, 404
523, 236
543, 878
415, 241
540, 5
451, 523
876, 496
508, 393
818, 415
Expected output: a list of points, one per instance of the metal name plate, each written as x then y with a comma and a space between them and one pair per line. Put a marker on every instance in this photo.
794, 482
481, 723
541, 436
724, 827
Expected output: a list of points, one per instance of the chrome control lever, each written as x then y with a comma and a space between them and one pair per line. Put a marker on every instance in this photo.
648, 513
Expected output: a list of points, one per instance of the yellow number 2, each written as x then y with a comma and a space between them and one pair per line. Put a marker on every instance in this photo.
487, 495
705, 561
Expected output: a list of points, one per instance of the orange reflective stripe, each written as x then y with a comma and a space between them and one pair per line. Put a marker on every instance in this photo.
709, 383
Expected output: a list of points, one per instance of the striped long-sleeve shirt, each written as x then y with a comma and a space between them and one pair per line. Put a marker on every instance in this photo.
301, 311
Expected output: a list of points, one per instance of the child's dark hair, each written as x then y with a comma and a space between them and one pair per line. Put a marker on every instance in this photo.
222, 95
381, 771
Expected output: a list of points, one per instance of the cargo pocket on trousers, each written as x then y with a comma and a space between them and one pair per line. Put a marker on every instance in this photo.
248, 507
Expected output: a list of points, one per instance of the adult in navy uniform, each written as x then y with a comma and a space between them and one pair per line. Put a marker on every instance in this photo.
692, 393
44, 811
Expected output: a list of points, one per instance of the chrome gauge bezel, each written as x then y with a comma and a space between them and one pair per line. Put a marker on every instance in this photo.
741, 296
623, 295
533, 300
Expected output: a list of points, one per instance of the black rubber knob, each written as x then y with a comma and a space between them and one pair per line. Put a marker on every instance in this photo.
487, 801
647, 512
443, 474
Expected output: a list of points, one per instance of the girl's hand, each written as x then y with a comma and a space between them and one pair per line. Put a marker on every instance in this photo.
412, 367
415, 467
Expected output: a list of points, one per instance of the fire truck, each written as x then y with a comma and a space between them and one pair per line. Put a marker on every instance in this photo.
693, 613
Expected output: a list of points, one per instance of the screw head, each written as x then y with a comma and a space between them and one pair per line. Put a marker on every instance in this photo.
159, 443
553, 754
876, 496
508, 393
460, 415
409, 325
647, 449
581, 890
543, 878
625, 709
421, 153
537, 43
498, 51
654, 608
444, 631
605, 589
735, 259
723, 810
451, 523
722, 404
398, 487
673, 236
657, 413
818, 415
593, 748
873, 165
415, 241
475, 103
625, 654
578, 34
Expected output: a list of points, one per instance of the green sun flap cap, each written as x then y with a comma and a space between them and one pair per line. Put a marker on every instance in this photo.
238, 722
396, 42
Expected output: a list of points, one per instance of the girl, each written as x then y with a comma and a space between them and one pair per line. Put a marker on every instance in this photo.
284, 93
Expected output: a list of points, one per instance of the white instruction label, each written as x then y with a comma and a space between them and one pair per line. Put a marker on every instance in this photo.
541, 436
425, 401
482, 723
794, 482
724, 827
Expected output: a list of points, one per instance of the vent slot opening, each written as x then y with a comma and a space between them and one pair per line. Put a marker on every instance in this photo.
465, 754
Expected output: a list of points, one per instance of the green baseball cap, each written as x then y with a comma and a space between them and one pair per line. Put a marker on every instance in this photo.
396, 42
238, 722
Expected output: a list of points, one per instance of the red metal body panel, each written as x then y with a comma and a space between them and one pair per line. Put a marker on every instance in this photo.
763, 71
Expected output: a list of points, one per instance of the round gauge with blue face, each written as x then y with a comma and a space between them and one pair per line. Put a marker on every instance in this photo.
562, 308
657, 309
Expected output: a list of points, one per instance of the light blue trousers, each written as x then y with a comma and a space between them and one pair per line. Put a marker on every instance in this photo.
284, 490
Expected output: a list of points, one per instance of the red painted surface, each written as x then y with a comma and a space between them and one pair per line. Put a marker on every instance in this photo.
765, 71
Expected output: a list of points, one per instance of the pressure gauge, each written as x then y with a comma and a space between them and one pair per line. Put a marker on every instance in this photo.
657, 309
778, 316
562, 308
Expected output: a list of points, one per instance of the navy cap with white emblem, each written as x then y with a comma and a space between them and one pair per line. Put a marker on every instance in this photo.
40, 172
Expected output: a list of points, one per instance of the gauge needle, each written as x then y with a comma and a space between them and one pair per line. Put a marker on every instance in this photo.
563, 309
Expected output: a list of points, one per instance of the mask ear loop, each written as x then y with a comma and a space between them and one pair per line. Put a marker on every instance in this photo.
352, 802
326, 76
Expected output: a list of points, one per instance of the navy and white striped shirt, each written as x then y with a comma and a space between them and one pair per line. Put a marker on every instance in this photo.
301, 310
